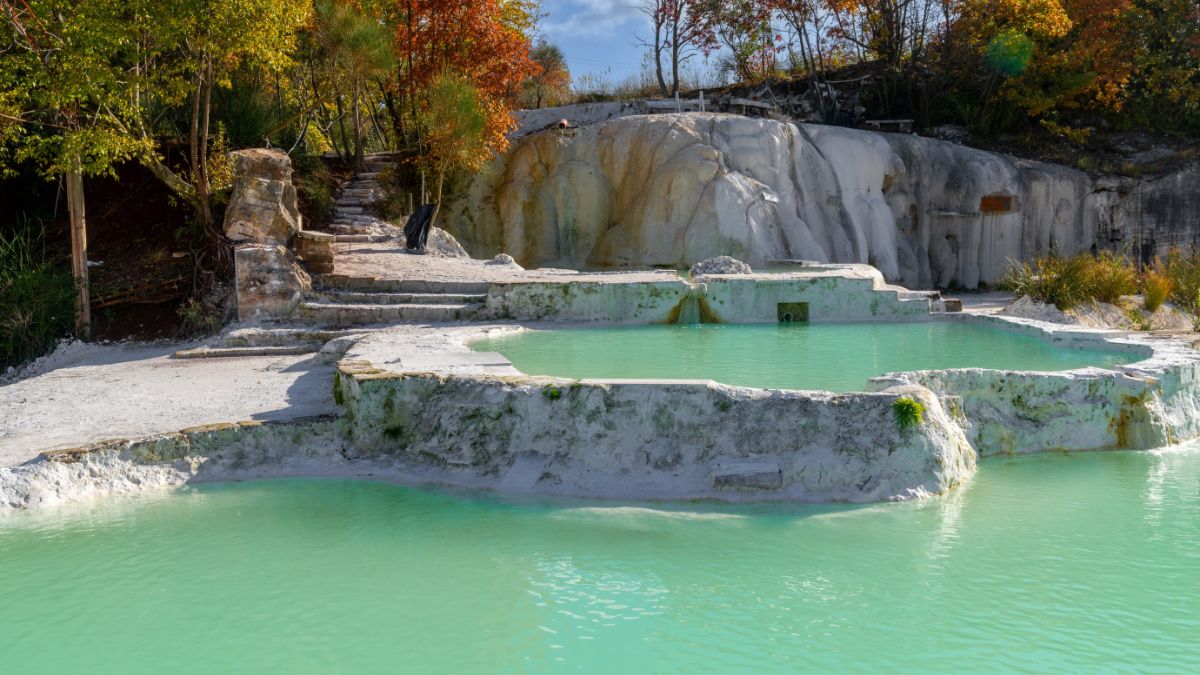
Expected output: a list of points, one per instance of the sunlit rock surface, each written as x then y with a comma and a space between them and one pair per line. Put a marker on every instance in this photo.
678, 188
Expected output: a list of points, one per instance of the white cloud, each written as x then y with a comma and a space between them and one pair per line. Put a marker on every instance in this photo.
592, 19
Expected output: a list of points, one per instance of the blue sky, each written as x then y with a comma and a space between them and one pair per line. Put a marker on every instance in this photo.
597, 35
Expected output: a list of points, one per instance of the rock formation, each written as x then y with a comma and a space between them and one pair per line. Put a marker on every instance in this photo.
262, 207
721, 264
262, 219
677, 188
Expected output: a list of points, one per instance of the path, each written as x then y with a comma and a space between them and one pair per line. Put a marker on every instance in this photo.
97, 392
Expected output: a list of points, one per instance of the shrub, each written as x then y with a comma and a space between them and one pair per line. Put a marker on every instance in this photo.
315, 185
1156, 288
907, 412
1067, 282
199, 319
1052, 280
1109, 276
1183, 270
37, 298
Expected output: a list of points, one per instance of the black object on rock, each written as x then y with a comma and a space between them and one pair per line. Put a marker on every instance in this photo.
416, 230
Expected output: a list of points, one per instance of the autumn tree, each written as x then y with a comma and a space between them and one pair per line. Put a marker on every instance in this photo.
485, 41
460, 129
677, 34
552, 83
742, 30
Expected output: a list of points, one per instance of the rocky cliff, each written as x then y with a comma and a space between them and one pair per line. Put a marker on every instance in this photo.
677, 188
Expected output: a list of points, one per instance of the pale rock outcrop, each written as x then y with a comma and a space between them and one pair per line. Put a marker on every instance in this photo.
674, 189
722, 264
262, 206
503, 259
442, 243
1026, 307
1103, 315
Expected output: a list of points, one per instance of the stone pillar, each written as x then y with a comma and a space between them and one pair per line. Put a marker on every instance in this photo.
316, 250
262, 218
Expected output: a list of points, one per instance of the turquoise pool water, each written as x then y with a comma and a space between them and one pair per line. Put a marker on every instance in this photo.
1079, 563
829, 356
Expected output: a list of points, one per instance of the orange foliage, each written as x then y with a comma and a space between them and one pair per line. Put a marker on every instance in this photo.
485, 41
1080, 50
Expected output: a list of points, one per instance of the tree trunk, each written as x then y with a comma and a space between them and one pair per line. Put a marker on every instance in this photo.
658, 47
360, 163
203, 188
437, 206
676, 49
79, 268
341, 122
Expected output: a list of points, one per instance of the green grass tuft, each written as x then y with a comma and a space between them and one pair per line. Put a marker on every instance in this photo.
908, 412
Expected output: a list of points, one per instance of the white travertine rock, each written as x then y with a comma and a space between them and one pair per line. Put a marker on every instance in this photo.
476, 417
721, 264
442, 243
1026, 307
503, 259
674, 189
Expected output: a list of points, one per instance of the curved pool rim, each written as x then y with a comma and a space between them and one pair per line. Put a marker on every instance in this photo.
1155, 354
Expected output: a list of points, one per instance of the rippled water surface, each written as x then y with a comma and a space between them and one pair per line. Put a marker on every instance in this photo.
1070, 563
829, 356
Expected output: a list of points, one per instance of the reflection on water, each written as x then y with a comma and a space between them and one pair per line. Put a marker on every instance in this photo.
1052, 562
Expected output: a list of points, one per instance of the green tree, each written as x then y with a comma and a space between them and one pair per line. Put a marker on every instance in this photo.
193, 47
66, 93
456, 130
356, 49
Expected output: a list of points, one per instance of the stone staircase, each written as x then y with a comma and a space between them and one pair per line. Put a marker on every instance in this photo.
937, 303
353, 211
360, 301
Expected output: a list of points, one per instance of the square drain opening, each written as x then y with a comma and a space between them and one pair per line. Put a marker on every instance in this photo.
789, 312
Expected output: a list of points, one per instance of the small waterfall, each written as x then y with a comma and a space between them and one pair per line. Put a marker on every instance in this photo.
689, 310
692, 309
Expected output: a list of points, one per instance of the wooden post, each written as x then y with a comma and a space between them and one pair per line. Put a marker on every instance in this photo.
79, 268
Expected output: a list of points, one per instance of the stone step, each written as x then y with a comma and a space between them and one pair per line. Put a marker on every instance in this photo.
946, 306
349, 210
265, 336
386, 298
371, 284
349, 314
259, 350
360, 238
367, 175
359, 221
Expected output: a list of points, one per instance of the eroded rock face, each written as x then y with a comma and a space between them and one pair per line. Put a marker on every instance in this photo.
675, 189
262, 208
